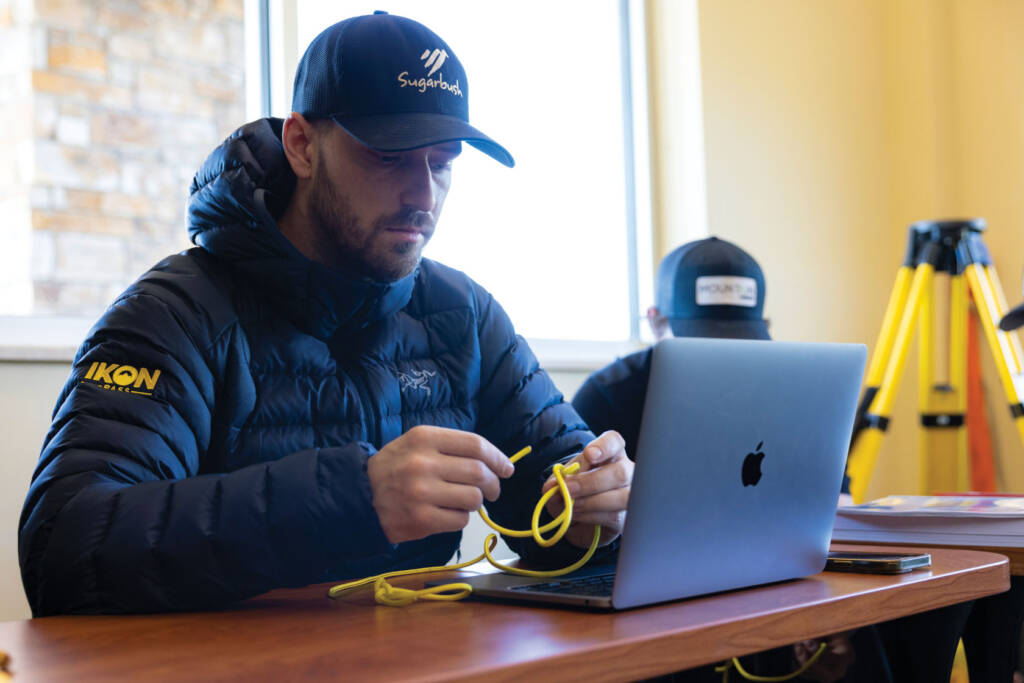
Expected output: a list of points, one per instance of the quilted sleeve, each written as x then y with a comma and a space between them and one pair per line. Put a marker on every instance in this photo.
120, 516
595, 407
520, 406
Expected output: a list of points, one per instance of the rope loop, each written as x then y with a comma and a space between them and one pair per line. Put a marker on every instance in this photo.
393, 596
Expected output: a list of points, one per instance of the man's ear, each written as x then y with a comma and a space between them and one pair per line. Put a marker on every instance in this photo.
297, 136
659, 324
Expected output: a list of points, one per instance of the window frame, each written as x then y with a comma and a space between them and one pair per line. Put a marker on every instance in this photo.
269, 23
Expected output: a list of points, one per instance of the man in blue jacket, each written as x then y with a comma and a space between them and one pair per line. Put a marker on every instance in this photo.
301, 398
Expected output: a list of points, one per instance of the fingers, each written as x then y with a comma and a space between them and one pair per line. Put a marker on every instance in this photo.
605, 448
466, 445
840, 644
453, 496
429, 479
471, 473
440, 520
607, 520
609, 477
613, 500
600, 490
613, 473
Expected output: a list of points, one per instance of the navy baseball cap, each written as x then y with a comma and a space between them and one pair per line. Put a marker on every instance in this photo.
712, 288
391, 83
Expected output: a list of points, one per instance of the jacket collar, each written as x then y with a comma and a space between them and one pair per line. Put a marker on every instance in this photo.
234, 200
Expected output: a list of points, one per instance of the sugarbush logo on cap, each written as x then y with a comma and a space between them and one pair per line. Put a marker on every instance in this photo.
433, 60
726, 290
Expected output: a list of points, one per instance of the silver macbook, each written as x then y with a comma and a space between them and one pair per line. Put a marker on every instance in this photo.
738, 469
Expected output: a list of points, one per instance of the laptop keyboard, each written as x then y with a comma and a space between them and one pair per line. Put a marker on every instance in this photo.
600, 585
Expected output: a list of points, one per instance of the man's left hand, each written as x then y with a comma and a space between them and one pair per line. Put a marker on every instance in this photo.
600, 490
831, 666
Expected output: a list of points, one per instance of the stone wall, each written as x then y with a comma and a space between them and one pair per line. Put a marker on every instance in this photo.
15, 160
127, 97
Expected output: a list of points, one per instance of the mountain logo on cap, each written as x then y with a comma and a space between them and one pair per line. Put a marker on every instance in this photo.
434, 59
726, 290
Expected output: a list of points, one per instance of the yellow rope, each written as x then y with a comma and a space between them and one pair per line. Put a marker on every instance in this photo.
735, 662
393, 596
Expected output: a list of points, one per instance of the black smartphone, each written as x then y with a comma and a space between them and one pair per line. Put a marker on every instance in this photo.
876, 563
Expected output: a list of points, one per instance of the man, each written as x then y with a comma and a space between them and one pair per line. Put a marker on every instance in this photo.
704, 288
709, 288
301, 397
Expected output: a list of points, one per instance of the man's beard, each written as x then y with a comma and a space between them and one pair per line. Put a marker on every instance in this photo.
341, 241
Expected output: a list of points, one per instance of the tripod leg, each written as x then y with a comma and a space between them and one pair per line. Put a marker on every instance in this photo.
943, 402
876, 368
875, 419
1005, 346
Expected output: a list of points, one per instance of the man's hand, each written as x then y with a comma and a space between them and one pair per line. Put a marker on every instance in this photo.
430, 479
834, 661
600, 490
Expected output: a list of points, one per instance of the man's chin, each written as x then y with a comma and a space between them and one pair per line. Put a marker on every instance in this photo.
396, 269
383, 265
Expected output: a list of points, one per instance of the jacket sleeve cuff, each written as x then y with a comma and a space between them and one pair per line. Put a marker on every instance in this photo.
357, 526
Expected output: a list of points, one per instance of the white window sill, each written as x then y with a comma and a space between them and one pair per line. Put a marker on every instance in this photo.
42, 339
56, 339
563, 355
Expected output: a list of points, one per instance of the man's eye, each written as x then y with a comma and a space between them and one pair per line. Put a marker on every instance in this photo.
389, 159
442, 165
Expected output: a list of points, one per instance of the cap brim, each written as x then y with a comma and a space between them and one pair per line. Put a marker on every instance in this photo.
717, 327
401, 132
1013, 319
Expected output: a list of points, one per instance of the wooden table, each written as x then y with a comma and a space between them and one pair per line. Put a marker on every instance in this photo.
300, 634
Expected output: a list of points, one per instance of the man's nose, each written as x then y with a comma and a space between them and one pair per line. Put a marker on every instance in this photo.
420, 187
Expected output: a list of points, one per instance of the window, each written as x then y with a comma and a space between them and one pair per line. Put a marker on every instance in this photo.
108, 110
556, 238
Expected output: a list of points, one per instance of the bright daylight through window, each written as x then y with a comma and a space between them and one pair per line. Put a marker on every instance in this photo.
549, 238
109, 108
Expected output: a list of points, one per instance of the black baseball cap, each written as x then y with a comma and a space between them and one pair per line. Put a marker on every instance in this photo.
712, 288
391, 83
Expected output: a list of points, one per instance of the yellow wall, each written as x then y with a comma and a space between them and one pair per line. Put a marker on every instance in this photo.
986, 94
829, 128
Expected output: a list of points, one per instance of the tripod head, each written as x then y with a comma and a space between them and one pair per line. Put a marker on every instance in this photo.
951, 245
948, 245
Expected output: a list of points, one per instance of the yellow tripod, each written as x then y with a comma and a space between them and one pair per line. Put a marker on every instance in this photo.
954, 247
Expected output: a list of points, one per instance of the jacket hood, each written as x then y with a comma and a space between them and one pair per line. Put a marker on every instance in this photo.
234, 201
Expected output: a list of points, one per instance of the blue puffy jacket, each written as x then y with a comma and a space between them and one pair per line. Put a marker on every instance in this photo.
212, 440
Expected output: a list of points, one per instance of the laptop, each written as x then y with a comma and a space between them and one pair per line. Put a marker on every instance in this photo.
739, 464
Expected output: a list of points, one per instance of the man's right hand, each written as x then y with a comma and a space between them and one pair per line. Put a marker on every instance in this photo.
430, 479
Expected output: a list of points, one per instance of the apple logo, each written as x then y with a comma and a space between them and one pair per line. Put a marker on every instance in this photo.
752, 466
